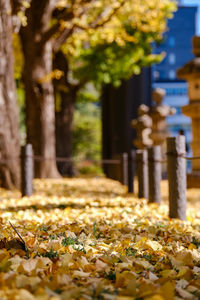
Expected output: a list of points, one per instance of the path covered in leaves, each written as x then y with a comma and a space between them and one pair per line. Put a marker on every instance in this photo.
86, 239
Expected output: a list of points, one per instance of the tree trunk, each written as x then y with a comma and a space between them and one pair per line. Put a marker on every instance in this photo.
66, 96
40, 111
64, 127
9, 123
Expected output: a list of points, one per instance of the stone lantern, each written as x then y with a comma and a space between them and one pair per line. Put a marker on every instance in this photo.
191, 73
143, 126
158, 113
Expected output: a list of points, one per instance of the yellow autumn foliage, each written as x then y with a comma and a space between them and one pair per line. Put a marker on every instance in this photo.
105, 21
89, 239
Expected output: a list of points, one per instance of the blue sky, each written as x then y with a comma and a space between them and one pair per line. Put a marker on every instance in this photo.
194, 2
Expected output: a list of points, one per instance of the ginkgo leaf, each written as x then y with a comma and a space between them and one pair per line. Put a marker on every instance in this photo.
99, 251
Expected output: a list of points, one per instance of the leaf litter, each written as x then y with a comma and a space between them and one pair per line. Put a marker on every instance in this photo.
88, 239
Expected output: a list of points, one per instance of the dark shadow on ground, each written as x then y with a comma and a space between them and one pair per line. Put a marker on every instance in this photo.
49, 206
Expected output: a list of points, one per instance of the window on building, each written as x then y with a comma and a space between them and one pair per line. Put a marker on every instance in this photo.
178, 110
172, 58
162, 75
176, 91
171, 41
156, 75
172, 74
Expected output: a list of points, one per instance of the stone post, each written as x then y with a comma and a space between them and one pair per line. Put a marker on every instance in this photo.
131, 170
155, 174
142, 172
124, 168
27, 170
176, 165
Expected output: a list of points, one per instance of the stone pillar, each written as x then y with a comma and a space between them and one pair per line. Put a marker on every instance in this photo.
191, 73
195, 144
142, 125
192, 110
158, 113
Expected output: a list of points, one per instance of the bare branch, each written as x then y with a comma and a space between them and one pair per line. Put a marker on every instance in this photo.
18, 5
66, 32
63, 37
48, 34
42, 13
54, 29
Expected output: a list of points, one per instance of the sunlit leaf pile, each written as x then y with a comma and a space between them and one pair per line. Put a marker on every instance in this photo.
88, 239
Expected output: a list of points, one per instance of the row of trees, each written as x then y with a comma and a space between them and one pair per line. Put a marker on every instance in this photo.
66, 44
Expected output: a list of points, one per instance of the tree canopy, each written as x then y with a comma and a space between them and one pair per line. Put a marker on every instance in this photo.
115, 37
115, 40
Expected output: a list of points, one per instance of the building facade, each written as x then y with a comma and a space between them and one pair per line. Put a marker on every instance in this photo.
177, 46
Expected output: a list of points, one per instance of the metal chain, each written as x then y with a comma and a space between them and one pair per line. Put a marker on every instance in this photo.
103, 161
62, 159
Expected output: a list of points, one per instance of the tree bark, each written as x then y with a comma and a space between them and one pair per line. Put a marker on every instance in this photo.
9, 123
66, 95
40, 110
64, 127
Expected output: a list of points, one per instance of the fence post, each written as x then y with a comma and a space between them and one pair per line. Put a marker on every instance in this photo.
176, 167
26, 170
154, 174
142, 172
124, 168
131, 170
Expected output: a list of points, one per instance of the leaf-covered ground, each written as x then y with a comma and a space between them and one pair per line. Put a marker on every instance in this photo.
88, 239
